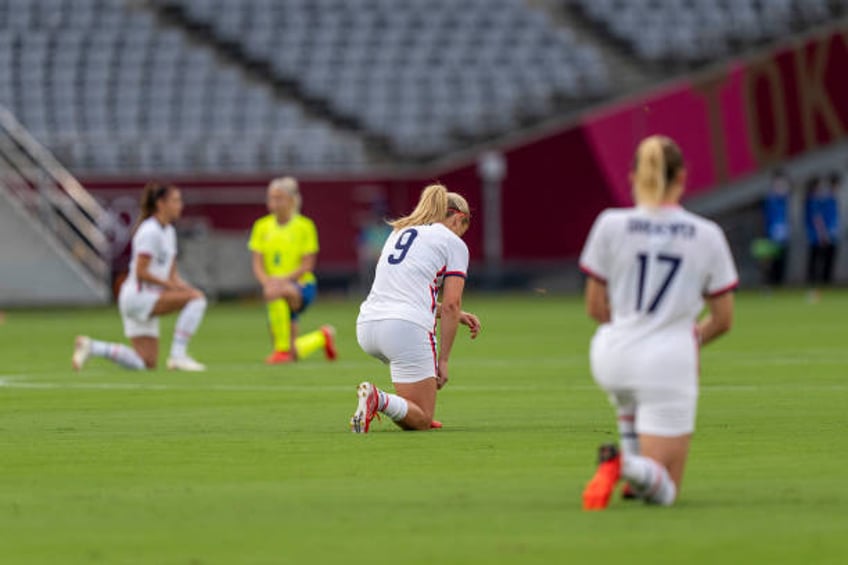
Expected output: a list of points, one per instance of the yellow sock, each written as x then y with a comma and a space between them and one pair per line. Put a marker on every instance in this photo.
279, 318
308, 344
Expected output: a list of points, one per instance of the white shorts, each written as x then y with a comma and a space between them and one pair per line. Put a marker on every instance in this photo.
666, 413
409, 349
136, 306
658, 373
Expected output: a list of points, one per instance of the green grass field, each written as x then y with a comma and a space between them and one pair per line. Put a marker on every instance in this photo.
255, 464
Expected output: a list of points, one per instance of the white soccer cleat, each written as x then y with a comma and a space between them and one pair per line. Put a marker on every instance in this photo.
366, 408
82, 351
185, 364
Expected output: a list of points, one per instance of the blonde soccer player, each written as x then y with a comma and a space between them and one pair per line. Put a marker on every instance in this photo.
284, 247
650, 270
152, 288
397, 321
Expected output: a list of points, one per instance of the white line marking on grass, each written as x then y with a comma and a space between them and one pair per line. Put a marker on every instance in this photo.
18, 382
6, 383
374, 366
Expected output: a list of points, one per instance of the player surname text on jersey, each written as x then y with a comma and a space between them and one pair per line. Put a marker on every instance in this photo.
674, 229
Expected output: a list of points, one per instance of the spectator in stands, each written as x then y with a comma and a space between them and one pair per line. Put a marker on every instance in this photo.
284, 245
776, 212
650, 269
152, 288
822, 219
396, 322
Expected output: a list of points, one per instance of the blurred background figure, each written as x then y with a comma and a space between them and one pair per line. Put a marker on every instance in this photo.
284, 246
373, 232
822, 223
772, 251
152, 289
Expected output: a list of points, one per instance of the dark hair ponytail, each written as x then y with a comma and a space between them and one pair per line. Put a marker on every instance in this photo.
150, 195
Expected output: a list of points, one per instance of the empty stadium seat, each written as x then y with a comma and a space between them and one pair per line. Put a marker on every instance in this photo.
698, 31
374, 61
111, 90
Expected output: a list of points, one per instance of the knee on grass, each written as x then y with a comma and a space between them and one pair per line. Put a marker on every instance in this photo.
417, 420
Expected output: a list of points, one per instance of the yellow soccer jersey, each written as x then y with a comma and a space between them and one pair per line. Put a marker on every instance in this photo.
283, 246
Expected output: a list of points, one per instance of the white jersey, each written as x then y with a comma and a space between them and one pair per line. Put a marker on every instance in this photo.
160, 244
658, 264
410, 271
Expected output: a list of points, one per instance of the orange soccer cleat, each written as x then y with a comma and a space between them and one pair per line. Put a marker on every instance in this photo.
598, 491
279, 357
329, 342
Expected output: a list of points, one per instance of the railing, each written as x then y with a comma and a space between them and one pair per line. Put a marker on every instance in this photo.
53, 196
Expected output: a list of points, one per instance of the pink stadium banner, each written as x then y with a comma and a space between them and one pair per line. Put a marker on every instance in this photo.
737, 120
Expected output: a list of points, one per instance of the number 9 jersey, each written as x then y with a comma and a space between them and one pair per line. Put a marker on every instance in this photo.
410, 271
657, 264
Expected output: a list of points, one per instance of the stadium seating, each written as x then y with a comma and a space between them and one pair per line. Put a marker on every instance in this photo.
697, 31
121, 86
426, 76
110, 89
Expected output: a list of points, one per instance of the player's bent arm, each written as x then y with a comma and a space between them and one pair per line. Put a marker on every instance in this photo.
451, 309
597, 302
465, 318
176, 280
719, 319
143, 274
307, 265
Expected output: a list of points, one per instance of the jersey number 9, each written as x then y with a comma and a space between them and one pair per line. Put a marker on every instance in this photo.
403, 244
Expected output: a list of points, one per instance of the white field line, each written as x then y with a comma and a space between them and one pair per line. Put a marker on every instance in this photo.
6, 382
23, 382
373, 366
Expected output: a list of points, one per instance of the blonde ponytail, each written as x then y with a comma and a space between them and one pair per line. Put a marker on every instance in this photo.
432, 207
650, 175
657, 166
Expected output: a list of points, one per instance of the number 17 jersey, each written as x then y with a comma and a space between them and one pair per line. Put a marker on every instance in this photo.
657, 264
412, 265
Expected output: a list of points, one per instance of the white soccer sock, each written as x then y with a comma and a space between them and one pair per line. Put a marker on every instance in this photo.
627, 437
187, 323
119, 353
392, 405
650, 478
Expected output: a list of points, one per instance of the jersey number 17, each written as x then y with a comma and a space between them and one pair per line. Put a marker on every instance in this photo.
671, 263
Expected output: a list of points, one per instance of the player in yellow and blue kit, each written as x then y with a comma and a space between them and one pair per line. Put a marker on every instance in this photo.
285, 248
